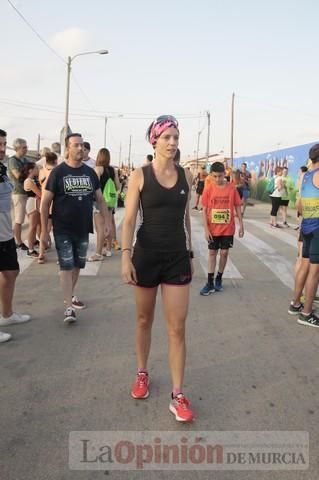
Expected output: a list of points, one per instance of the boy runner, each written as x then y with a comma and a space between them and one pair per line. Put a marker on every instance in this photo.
220, 200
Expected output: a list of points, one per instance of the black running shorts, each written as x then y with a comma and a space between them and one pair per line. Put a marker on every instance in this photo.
310, 246
221, 243
200, 187
153, 268
8, 256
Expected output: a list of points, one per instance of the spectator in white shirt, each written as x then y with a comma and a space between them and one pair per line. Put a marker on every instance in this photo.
87, 160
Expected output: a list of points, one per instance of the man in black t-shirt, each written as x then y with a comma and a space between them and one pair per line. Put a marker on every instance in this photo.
72, 187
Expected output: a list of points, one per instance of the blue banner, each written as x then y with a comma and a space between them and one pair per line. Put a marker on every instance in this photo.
263, 165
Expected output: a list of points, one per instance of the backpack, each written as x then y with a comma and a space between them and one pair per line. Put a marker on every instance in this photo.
270, 188
109, 188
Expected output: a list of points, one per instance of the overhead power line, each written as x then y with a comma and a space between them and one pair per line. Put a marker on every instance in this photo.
75, 80
35, 32
87, 114
49, 47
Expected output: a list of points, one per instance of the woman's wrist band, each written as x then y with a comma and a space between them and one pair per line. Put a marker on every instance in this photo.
126, 249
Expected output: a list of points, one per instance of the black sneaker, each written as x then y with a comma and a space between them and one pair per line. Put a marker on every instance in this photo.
32, 254
311, 320
295, 310
22, 246
69, 315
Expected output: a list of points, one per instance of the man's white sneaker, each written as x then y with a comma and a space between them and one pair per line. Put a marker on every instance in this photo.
4, 337
14, 319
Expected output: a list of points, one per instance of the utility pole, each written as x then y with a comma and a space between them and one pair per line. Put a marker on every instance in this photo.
232, 131
197, 152
38, 143
208, 135
105, 123
120, 156
67, 103
129, 154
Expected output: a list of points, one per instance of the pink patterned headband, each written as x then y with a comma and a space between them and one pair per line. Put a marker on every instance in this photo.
159, 126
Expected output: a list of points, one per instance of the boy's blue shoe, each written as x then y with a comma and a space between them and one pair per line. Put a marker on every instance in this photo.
218, 285
207, 289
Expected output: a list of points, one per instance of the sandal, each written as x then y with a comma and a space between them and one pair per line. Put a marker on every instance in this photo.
41, 259
95, 258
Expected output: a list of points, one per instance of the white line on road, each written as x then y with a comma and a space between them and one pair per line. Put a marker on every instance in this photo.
275, 232
279, 265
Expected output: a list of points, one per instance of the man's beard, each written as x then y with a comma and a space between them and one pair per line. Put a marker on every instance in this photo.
78, 158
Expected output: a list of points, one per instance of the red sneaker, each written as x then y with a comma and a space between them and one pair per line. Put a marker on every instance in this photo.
76, 303
180, 407
140, 386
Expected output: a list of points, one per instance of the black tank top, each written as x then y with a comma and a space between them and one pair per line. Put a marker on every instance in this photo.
162, 213
30, 193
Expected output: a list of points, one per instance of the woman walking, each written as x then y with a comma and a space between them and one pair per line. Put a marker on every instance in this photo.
275, 197
102, 166
32, 187
162, 256
200, 185
51, 161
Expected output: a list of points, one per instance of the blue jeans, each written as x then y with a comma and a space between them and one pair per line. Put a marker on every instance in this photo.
246, 193
71, 249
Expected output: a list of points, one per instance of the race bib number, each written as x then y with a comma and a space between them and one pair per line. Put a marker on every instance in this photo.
220, 215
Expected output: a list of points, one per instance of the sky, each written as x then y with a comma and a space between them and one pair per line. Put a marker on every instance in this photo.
169, 57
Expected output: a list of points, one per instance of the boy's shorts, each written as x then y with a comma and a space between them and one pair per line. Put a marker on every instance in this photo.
221, 243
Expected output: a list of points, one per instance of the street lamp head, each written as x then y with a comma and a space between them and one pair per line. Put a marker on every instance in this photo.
103, 52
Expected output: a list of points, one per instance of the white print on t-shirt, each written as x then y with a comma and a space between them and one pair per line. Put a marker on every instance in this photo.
77, 186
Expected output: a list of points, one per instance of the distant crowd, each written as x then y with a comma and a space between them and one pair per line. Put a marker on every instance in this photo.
29, 177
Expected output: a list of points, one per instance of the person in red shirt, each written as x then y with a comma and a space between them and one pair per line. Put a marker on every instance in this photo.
220, 200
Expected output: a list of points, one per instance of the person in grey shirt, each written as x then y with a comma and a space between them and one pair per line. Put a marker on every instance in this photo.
19, 196
9, 267
56, 148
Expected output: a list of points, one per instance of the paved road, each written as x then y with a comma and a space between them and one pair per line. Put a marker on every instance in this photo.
249, 365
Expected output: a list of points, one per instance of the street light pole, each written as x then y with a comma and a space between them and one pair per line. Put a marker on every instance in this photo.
66, 121
69, 62
232, 131
120, 156
38, 143
129, 155
106, 119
